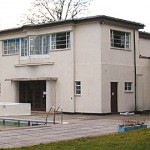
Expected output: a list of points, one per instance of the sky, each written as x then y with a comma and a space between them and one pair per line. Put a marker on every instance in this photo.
137, 11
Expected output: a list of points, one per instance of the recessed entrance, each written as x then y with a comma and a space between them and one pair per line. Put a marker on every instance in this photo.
33, 92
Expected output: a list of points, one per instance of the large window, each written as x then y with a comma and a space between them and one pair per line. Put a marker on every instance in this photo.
37, 45
11, 46
60, 40
120, 39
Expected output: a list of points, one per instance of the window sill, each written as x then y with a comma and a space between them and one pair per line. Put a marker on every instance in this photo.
10, 54
33, 64
128, 91
55, 50
123, 49
77, 95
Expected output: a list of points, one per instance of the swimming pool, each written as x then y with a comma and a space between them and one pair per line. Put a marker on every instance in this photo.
21, 123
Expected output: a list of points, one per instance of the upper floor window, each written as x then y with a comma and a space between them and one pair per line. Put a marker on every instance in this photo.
37, 45
60, 40
11, 46
120, 39
24, 47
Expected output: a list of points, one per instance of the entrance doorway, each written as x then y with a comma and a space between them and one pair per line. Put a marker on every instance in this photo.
114, 97
33, 92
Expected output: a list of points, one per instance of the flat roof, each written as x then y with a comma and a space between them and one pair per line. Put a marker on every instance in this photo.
145, 35
101, 18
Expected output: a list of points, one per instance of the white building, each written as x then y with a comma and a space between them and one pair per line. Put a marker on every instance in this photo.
87, 65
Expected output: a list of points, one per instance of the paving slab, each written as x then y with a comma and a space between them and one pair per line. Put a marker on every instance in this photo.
75, 126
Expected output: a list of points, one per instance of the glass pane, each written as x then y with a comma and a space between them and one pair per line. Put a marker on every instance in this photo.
36, 45
120, 39
68, 39
78, 82
24, 47
129, 88
11, 46
46, 39
61, 40
53, 41
78, 92
78, 87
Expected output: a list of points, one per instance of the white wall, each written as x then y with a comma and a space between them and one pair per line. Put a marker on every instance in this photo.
143, 74
117, 66
88, 67
90, 60
62, 69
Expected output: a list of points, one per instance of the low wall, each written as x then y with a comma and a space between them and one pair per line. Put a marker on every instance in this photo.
13, 109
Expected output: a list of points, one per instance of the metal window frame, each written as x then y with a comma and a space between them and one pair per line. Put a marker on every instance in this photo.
127, 86
77, 85
7, 50
126, 35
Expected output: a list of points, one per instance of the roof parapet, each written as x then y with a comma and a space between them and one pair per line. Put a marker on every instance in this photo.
101, 18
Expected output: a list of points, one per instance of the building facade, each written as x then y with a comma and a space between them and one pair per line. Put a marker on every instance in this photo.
97, 64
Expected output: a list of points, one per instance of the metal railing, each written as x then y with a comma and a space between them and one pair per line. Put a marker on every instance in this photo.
53, 111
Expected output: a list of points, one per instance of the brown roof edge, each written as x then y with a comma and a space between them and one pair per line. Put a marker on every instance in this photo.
112, 20
145, 35
101, 18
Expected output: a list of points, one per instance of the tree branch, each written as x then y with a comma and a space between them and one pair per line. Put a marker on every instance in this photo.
53, 10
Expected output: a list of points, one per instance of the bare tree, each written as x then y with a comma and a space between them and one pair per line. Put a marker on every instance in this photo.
43, 11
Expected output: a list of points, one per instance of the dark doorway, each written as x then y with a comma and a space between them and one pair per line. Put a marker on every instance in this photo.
33, 92
114, 95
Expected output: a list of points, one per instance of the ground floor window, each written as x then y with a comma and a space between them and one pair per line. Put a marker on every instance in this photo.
128, 87
77, 87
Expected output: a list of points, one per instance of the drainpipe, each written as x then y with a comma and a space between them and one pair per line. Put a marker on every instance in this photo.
74, 68
135, 79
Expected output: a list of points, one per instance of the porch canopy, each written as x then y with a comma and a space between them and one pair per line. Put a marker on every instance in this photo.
33, 79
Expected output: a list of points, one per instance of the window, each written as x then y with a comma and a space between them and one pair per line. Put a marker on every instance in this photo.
120, 39
39, 45
128, 87
11, 46
46, 44
60, 40
24, 47
77, 87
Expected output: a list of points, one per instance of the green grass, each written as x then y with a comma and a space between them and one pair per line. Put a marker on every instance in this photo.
135, 140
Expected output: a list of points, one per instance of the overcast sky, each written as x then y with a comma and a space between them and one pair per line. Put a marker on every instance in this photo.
138, 11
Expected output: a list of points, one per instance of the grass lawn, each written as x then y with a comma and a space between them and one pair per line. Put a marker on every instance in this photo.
135, 140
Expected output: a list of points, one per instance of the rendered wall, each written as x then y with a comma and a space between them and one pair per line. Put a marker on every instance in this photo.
90, 60
143, 75
61, 69
88, 67
117, 66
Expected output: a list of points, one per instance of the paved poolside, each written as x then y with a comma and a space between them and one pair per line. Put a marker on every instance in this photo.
75, 126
